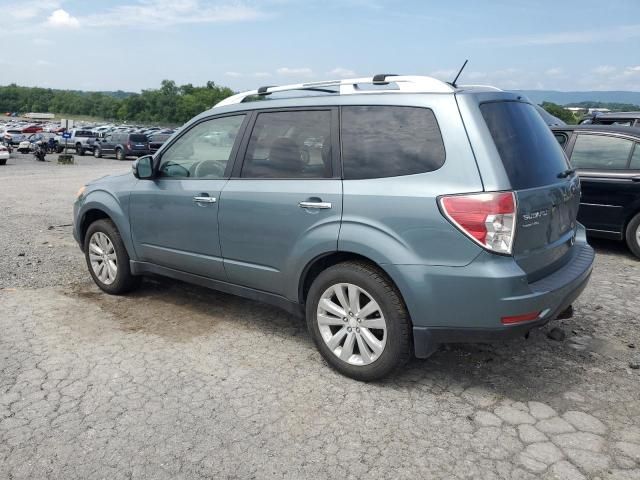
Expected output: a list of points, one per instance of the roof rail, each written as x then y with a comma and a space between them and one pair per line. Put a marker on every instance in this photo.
404, 83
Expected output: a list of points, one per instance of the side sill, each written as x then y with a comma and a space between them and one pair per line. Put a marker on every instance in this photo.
145, 268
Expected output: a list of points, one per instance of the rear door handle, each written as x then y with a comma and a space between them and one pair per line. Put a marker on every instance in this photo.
207, 199
318, 205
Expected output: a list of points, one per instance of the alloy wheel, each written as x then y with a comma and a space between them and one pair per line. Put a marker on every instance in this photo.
351, 324
103, 258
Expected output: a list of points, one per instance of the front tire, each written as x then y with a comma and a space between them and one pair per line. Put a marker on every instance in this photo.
107, 258
80, 150
358, 321
633, 235
97, 153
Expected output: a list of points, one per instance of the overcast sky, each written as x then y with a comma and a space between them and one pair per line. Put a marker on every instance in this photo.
134, 44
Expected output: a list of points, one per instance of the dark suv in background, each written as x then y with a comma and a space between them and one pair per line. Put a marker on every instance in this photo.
623, 119
122, 145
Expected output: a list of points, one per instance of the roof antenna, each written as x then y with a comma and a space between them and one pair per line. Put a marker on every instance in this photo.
453, 84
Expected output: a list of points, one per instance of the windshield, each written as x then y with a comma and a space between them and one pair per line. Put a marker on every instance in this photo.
530, 154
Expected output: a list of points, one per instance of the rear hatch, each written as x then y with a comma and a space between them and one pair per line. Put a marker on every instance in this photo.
548, 195
138, 142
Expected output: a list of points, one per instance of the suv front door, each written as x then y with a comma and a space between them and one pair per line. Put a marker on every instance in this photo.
174, 218
283, 205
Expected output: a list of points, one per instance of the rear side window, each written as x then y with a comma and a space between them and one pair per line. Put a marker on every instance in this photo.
388, 141
531, 156
561, 138
635, 158
294, 144
599, 151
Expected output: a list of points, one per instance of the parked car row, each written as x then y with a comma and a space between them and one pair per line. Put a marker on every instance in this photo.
85, 138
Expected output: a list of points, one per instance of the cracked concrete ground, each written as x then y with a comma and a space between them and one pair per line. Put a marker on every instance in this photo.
176, 381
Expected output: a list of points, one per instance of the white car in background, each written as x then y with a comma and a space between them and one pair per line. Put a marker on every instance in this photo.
4, 155
27, 145
14, 136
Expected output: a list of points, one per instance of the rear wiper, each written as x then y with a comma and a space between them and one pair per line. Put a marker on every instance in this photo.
566, 173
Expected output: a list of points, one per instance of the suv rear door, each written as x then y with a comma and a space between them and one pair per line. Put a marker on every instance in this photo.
107, 144
610, 182
548, 195
283, 205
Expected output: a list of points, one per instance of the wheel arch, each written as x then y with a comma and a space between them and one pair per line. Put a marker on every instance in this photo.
320, 263
102, 205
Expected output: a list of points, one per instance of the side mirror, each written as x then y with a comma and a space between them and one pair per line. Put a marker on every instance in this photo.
143, 168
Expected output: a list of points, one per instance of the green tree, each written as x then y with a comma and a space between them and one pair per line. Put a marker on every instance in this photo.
560, 112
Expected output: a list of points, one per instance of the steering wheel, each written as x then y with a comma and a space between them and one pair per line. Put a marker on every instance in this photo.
209, 168
172, 169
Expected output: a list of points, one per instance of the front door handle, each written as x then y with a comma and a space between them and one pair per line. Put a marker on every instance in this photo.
204, 199
317, 205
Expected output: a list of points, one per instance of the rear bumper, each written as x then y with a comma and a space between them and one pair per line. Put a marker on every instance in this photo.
466, 304
137, 153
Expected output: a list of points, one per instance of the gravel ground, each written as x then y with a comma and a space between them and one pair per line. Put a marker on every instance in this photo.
175, 381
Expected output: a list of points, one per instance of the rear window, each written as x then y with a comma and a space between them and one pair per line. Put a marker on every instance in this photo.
531, 156
85, 133
387, 141
138, 138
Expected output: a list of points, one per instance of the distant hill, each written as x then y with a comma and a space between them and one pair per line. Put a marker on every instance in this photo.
564, 98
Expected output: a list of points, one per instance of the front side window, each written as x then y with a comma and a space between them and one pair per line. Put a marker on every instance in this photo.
295, 144
599, 151
386, 141
203, 151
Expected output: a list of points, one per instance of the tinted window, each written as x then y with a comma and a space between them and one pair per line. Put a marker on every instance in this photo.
138, 138
599, 151
635, 159
530, 154
85, 133
159, 138
382, 141
203, 151
294, 144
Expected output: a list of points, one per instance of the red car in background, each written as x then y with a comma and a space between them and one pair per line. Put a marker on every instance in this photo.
32, 129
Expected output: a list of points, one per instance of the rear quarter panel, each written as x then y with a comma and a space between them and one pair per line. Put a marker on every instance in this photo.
396, 220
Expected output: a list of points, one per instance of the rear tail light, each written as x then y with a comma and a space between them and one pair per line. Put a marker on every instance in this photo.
526, 317
129, 146
489, 219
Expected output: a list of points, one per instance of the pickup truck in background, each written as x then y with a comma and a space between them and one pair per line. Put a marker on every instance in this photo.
81, 140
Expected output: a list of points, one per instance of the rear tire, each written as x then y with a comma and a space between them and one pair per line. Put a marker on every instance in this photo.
119, 154
633, 235
392, 319
107, 258
80, 150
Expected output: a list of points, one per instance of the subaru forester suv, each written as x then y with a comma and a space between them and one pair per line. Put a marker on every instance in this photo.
396, 213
